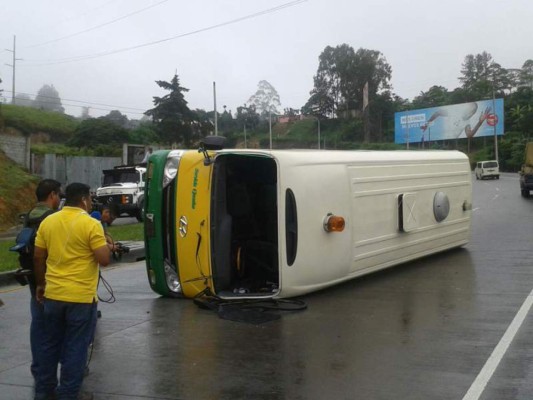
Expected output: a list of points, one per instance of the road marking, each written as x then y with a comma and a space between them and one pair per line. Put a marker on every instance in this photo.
11, 290
479, 384
475, 209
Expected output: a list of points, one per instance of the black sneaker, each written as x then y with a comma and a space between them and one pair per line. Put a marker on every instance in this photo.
49, 396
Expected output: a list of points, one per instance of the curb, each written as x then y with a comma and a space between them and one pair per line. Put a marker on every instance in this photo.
11, 233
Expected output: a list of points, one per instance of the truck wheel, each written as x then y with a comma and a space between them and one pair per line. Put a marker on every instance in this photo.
525, 193
140, 211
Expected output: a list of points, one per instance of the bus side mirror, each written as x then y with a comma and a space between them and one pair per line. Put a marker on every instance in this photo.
211, 143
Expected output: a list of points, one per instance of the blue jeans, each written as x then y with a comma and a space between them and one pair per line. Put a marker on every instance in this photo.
36, 333
68, 329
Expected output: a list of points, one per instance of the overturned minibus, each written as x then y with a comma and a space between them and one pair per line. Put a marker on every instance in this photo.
249, 224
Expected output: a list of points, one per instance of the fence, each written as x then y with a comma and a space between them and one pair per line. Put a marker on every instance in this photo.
16, 148
68, 169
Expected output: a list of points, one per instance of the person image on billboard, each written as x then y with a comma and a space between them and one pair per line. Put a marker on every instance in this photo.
460, 122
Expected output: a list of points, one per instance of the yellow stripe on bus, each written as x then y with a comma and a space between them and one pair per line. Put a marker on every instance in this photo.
192, 219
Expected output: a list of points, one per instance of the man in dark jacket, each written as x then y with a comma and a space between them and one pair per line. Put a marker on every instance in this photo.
48, 198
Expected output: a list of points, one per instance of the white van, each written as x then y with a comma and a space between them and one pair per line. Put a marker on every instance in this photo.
487, 169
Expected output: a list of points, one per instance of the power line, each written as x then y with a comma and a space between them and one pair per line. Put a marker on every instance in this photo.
97, 26
80, 101
211, 27
87, 103
77, 16
79, 106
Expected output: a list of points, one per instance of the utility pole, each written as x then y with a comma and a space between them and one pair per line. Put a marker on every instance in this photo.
15, 59
270, 126
407, 125
215, 100
245, 144
318, 120
496, 118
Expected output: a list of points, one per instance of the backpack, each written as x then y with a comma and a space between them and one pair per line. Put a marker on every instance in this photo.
25, 246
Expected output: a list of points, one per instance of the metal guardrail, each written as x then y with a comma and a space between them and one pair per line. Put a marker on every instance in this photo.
135, 253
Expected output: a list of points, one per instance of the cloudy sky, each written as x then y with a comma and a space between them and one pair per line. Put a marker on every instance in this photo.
80, 46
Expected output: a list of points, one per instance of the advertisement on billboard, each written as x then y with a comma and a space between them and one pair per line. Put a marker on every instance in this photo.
475, 119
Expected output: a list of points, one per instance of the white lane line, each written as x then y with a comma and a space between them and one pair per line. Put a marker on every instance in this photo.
479, 384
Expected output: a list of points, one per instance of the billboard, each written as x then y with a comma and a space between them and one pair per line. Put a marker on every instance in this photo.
475, 119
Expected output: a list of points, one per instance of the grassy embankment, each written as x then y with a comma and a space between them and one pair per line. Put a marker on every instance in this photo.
26, 120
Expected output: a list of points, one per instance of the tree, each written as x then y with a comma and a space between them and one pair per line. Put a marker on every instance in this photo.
341, 77
475, 68
247, 116
117, 118
370, 66
225, 122
327, 91
203, 124
96, 132
319, 104
23, 99
266, 99
85, 112
460, 95
384, 105
435, 96
481, 75
1, 116
526, 74
519, 111
171, 115
47, 99
143, 134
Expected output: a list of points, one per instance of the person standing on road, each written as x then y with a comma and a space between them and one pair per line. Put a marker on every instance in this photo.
48, 194
68, 248
147, 155
106, 216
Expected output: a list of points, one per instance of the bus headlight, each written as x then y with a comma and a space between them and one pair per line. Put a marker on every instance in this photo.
173, 281
171, 166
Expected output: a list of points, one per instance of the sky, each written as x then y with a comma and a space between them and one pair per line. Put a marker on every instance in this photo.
79, 46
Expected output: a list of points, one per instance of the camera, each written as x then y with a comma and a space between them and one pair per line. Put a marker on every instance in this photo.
119, 250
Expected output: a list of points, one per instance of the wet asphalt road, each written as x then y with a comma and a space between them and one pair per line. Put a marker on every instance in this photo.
423, 330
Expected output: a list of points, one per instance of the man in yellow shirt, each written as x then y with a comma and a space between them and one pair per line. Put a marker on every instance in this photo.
68, 249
